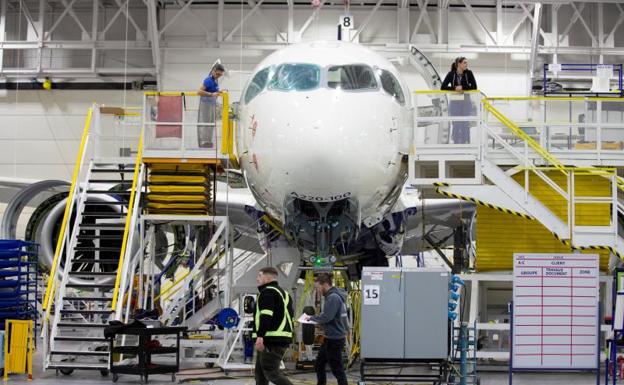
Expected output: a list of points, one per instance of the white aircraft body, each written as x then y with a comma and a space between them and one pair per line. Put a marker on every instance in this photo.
324, 130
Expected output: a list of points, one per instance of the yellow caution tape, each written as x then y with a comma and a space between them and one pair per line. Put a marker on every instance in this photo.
529, 217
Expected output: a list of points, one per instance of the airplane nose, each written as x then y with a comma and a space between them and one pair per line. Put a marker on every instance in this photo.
337, 147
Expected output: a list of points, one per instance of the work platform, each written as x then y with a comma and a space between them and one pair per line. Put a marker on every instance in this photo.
550, 159
545, 175
134, 164
184, 127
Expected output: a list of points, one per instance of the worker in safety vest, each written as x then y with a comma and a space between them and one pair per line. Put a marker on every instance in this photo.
273, 328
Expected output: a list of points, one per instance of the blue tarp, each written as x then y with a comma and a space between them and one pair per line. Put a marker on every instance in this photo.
14, 244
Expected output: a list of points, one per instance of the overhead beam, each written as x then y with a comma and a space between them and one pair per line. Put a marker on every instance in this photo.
261, 14
152, 23
582, 20
364, 24
290, 27
403, 22
418, 22
515, 29
28, 16
499, 19
41, 19
58, 21
427, 19
573, 21
175, 17
94, 31
479, 21
537, 19
423, 15
530, 17
443, 12
75, 17
220, 8
311, 18
3, 12
126, 12
114, 18
240, 24
554, 14
619, 22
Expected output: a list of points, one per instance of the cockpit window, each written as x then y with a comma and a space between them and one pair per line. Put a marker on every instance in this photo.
351, 77
257, 84
295, 77
391, 85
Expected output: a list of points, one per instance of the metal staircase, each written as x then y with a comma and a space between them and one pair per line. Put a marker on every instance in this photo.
501, 149
190, 306
89, 256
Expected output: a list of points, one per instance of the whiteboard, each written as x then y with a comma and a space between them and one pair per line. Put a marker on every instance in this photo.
555, 311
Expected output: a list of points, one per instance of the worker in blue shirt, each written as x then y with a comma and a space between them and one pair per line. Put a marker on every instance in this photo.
207, 114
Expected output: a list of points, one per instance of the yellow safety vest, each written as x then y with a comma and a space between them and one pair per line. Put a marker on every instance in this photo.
280, 332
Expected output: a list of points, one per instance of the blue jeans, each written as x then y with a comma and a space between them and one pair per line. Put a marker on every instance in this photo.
461, 130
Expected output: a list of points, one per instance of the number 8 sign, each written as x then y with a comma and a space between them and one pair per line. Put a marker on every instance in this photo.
371, 294
346, 21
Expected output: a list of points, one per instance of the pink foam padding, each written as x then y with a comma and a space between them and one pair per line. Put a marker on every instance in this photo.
169, 110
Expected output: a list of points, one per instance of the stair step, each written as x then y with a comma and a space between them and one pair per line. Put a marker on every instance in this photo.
108, 192
104, 215
78, 353
92, 312
93, 299
92, 273
119, 181
78, 365
72, 338
100, 261
104, 237
90, 285
106, 226
97, 203
126, 168
84, 248
78, 325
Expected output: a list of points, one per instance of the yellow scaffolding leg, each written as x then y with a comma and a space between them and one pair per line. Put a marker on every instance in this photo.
18, 348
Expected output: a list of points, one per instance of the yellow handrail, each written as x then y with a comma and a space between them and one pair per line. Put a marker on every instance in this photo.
602, 170
523, 135
225, 128
554, 98
47, 303
124, 245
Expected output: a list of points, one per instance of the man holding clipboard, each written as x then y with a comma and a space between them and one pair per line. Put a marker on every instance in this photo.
334, 320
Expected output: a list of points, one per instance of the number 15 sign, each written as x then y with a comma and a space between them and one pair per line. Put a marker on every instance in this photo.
371, 294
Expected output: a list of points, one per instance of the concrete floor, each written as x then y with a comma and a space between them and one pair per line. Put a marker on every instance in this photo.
198, 376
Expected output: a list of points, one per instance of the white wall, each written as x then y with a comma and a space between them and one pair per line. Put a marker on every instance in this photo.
41, 130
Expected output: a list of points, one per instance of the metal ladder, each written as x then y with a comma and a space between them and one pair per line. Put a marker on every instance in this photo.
83, 306
197, 281
87, 267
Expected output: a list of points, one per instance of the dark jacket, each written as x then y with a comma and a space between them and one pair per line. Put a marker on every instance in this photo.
334, 315
271, 301
452, 80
